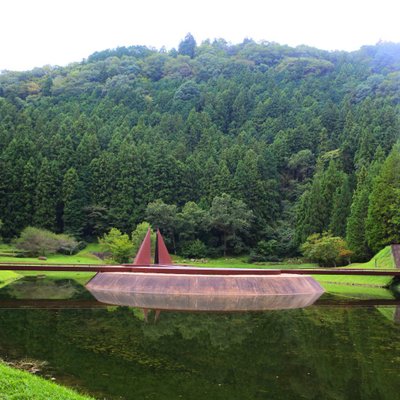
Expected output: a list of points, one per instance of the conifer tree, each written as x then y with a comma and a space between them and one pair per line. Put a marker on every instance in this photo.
254, 191
187, 46
46, 197
341, 203
123, 211
314, 211
73, 200
332, 179
223, 179
309, 221
27, 192
383, 221
355, 230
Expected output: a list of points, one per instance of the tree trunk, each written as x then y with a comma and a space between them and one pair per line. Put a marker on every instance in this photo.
224, 244
173, 242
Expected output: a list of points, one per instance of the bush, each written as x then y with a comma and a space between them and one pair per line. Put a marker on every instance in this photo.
35, 241
266, 251
67, 244
73, 248
326, 250
194, 249
41, 242
118, 244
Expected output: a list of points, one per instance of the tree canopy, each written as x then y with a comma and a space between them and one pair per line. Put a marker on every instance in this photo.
133, 134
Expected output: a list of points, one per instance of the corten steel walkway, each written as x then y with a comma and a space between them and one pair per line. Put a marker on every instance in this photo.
168, 269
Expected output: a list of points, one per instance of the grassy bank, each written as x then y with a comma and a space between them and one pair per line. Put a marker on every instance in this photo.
85, 256
383, 259
20, 385
357, 292
242, 262
7, 277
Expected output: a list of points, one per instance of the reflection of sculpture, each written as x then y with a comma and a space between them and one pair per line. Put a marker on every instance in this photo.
191, 288
146, 314
198, 302
397, 315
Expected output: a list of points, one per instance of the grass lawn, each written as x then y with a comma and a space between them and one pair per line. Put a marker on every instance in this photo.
383, 259
85, 256
387, 312
379, 281
7, 277
357, 292
240, 262
80, 277
20, 385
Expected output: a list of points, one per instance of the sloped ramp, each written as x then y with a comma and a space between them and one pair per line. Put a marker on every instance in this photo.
396, 254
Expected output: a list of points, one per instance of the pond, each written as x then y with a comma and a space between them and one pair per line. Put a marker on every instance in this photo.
334, 349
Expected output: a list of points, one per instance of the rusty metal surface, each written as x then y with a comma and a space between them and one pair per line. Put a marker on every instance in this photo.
204, 303
176, 269
143, 256
210, 285
396, 254
161, 255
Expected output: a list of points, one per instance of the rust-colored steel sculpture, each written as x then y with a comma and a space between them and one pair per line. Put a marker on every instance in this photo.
161, 254
204, 285
165, 286
143, 256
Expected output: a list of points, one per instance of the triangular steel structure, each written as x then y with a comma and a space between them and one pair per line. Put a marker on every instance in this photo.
143, 256
161, 255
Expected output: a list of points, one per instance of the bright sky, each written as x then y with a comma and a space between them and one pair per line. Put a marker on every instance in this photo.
58, 32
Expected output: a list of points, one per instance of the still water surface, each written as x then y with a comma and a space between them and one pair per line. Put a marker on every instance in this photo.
331, 350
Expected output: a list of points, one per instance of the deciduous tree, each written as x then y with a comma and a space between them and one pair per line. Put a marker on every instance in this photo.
229, 216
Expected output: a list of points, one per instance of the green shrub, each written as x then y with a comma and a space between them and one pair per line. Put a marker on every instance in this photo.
194, 249
118, 244
266, 250
326, 250
41, 242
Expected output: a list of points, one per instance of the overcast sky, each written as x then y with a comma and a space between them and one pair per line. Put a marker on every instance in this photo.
58, 32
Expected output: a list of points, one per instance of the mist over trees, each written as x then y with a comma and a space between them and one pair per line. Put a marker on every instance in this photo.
297, 139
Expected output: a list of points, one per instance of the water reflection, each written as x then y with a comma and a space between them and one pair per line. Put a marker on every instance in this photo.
336, 349
226, 303
319, 352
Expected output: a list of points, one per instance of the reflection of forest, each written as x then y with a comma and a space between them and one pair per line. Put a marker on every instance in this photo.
315, 353
397, 315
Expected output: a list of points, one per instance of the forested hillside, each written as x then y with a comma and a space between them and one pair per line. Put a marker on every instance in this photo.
301, 136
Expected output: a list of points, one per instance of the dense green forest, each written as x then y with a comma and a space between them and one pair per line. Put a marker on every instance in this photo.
257, 145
